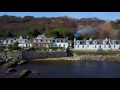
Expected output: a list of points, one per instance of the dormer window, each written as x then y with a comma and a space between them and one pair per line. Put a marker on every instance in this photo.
95, 42
114, 41
57, 40
11, 41
6, 41
53, 40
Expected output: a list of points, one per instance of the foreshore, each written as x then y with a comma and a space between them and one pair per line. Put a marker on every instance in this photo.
115, 58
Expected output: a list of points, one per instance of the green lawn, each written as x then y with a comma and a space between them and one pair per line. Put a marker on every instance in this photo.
84, 52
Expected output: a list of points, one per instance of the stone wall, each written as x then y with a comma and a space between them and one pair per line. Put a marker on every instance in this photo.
41, 55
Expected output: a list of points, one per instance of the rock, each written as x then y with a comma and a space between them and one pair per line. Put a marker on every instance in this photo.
2, 62
22, 74
10, 64
22, 62
10, 70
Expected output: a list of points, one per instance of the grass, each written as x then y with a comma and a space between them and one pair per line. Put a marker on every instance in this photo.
86, 52
15, 50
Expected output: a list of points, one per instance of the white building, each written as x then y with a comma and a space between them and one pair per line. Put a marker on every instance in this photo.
8, 41
93, 44
115, 44
61, 42
23, 43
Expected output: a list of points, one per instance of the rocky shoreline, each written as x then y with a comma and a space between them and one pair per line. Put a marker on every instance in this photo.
111, 58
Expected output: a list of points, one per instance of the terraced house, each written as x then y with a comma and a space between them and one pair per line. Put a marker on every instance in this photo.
43, 41
98, 44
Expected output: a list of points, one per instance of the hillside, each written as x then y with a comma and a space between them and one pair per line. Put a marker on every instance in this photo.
17, 25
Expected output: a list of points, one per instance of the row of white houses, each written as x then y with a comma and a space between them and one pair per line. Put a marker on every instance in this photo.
39, 41
106, 44
43, 41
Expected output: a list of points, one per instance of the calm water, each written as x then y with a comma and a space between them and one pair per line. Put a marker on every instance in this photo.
72, 69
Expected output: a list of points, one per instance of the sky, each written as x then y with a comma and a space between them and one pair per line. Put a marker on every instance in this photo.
78, 15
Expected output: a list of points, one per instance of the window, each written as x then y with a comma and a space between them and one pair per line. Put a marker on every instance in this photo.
64, 45
114, 46
46, 40
53, 41
83, 46
55, 45
104, 46
114, 42
59, 45
78, 46
57, 40
6, 41
95, 42
11, 41
95, 46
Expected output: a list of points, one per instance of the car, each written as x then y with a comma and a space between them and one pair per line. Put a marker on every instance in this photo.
99, 49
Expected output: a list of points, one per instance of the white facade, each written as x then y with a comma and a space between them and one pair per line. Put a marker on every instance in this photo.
8, 41
24, 45
24, 42
61, 42
60, 45
94, 44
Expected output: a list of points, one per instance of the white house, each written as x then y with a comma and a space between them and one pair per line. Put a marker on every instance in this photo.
61, 42
8, 41
92, 44
24, 42
115, 44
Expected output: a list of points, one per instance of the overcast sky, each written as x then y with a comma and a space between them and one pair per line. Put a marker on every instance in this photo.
100, 15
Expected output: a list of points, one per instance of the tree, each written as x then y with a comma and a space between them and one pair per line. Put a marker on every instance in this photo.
9, 34
15, 46
34, 31
22, 33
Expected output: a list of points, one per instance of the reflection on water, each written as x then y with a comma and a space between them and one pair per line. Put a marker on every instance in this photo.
72, 69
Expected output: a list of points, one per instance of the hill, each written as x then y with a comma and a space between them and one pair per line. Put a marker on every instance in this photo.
16, 26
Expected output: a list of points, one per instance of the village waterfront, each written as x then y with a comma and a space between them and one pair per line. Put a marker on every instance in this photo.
80, 65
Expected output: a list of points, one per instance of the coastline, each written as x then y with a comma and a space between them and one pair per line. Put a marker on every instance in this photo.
111, 58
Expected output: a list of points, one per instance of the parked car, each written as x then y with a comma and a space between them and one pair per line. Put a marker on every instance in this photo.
99, 49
